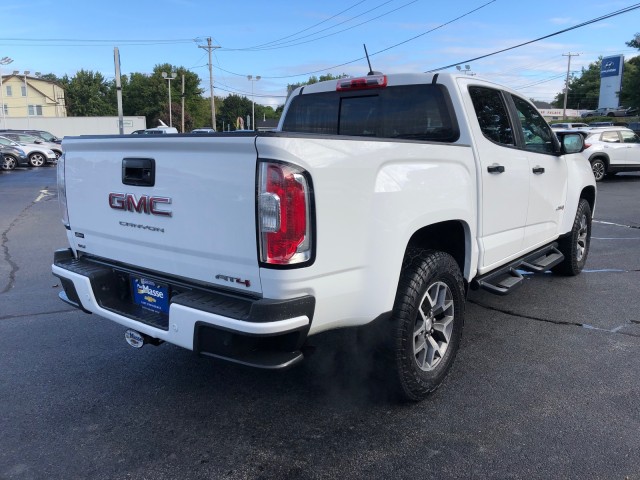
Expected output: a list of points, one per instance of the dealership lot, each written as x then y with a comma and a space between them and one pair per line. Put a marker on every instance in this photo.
546, 383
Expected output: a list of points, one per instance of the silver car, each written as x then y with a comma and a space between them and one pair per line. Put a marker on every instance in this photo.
37, 155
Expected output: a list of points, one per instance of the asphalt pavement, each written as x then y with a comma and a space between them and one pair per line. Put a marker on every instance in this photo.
545, 385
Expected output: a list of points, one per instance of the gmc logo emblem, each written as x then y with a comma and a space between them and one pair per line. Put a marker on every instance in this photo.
146, 204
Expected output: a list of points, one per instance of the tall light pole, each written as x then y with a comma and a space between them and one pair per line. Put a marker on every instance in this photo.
26, 96
253, 80
3, 61
168, 78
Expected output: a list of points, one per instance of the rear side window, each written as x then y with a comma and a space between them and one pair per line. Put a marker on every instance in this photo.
610, 137
415, 112
492, 115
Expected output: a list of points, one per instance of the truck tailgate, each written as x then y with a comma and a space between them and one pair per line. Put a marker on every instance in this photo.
196, 219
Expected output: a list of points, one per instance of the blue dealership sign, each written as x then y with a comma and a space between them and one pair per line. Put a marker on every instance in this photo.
610, 66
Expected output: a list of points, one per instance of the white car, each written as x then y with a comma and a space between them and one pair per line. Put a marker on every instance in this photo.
38, 155
611, 150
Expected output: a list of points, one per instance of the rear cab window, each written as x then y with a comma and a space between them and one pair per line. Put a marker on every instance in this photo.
410, 112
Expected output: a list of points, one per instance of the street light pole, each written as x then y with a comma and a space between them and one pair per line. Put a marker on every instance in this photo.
3, 61
253, 80
168, 78
26, 96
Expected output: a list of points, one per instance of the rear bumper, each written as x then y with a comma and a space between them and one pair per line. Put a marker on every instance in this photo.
252, 331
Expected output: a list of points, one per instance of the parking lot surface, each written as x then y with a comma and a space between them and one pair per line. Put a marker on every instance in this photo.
546, 384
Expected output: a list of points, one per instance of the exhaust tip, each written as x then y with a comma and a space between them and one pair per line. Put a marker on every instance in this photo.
133, 338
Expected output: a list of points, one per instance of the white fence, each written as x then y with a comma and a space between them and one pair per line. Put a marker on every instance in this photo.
72, 126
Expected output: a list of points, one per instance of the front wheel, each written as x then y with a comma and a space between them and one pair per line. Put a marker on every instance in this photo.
8, 163
427, 320
37, 159
575, 245
599, 168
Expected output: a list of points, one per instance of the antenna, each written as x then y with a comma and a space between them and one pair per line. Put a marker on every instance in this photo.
368, 61
371, 71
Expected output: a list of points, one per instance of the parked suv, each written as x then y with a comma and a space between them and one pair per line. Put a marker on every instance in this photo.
611, 150
27, 138
46, 136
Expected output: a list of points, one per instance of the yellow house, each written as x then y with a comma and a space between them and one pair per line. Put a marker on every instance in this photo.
30, 96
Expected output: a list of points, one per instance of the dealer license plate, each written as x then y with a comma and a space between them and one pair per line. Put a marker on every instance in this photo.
151, 295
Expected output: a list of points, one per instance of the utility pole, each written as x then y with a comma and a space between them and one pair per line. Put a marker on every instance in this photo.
116, 60
182, 129
566, 84
210, 48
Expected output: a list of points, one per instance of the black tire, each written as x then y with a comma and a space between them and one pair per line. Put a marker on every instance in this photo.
599, 168
425, 337
37, 159
575, 245
8, 163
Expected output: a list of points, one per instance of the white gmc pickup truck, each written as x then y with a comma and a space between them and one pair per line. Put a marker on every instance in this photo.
377, 203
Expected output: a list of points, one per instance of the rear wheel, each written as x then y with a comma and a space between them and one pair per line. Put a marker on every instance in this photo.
427, 320
599, 168
37, 159
8, 163
575, 245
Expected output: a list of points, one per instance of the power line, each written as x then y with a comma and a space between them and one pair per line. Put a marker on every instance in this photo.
306, 29
371, 54
580, 25
283, 45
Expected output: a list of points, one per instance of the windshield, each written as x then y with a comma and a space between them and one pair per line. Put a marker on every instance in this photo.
47, 136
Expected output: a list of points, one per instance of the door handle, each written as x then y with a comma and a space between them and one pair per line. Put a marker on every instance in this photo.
495, 168
538, 170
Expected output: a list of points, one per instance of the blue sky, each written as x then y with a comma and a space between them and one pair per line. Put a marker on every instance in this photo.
284, 41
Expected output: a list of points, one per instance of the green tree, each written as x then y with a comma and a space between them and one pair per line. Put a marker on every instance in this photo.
148, 95
313, 79
87, 94
630, 93
232, 108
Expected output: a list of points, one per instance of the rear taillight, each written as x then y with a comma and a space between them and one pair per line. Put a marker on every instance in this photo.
284, 214
62, 192
587, 145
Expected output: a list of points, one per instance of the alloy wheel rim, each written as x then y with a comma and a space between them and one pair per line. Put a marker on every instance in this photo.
581, 243
8, 163
433, 326
598, 170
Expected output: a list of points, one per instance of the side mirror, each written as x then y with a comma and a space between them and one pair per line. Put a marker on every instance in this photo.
572, 143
